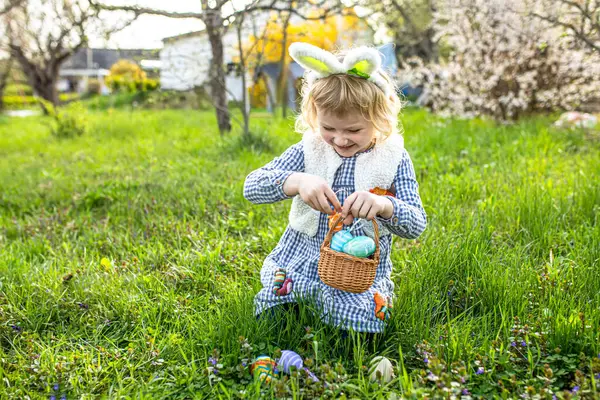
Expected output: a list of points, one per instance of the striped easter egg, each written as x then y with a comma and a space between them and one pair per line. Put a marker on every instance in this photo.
289, 359
340, 239
263, 368
360, 246
279, 278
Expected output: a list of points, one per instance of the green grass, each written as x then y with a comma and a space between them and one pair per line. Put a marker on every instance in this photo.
511, 254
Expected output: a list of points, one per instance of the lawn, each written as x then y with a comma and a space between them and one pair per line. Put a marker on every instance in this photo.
129, 259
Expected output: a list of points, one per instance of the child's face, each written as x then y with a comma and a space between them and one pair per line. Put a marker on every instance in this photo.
348, 135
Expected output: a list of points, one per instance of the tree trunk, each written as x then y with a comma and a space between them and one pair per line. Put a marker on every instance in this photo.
283, 76
44, 86
4, 81
218, 90
46, 89
1, 97
270, 97
41, 78
245, 107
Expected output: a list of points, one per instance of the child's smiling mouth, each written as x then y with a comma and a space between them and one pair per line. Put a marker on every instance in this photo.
346, 151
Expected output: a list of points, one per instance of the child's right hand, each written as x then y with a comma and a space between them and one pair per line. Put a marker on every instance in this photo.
313, 190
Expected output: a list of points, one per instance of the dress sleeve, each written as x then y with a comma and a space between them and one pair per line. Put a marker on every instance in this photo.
265, 185
408, 219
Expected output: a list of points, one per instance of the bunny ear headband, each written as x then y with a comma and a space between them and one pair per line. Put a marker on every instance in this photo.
363, 62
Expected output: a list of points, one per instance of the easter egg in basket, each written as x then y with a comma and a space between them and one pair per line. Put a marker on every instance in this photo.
360, 246
339, 240
331, 220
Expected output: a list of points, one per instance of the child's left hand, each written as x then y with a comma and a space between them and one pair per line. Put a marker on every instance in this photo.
366, 205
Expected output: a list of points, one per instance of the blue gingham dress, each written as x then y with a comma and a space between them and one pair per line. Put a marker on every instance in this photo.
298, 253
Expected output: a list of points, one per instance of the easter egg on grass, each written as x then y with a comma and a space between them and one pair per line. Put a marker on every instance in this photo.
292, 359
340, 239
263, 368
360, 246
381, 369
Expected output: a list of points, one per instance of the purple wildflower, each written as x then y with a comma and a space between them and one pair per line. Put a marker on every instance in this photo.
213, 361
575, 389
597, 376
466, 392
513, 344
83, 305
52, 397
16, 328
480, 371
426, 360
63, 397
55, 387
523, 343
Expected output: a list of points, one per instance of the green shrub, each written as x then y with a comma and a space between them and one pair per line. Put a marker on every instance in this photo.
151, 85
19, 102
69, 122
15, 102
126, 76
18, 89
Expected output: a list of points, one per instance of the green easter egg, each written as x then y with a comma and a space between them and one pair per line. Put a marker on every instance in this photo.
360, 246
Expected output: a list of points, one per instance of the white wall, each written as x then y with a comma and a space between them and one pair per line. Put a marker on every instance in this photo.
186, 61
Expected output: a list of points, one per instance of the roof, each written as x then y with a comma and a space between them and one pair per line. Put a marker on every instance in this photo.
105, 58
84, 72
183, 36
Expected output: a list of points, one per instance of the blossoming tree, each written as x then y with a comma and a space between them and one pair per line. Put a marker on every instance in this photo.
505, 63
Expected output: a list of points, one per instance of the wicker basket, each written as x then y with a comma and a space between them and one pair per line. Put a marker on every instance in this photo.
345, 272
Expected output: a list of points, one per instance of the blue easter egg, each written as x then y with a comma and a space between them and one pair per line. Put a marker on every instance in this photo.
340, 239
290, 359
360, 246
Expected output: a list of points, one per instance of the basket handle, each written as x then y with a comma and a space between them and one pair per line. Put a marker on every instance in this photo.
338, 220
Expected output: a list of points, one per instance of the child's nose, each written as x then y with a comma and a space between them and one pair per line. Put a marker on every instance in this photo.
341, 141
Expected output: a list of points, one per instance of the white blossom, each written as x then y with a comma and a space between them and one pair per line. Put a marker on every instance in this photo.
506, 64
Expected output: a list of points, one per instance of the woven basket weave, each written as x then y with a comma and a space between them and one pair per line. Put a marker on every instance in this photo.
345, 272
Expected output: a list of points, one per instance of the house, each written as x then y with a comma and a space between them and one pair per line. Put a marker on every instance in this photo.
186, 58
87, 64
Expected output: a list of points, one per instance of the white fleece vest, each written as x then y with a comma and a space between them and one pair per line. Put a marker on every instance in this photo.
375, 168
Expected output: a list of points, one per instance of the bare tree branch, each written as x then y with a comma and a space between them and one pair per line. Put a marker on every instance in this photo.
41, 52
581, 19
145, 10
578, 33
212, 15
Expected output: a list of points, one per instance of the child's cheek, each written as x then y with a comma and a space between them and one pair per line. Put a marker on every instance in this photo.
327, 137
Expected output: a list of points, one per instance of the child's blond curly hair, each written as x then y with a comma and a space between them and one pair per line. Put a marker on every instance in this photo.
342, 94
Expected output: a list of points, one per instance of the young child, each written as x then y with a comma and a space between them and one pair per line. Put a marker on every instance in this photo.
351, 159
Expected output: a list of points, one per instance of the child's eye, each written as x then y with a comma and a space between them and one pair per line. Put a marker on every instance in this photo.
354, 130
328, 128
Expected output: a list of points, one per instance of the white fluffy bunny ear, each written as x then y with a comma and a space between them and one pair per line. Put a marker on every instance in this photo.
315, 59
362, 61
